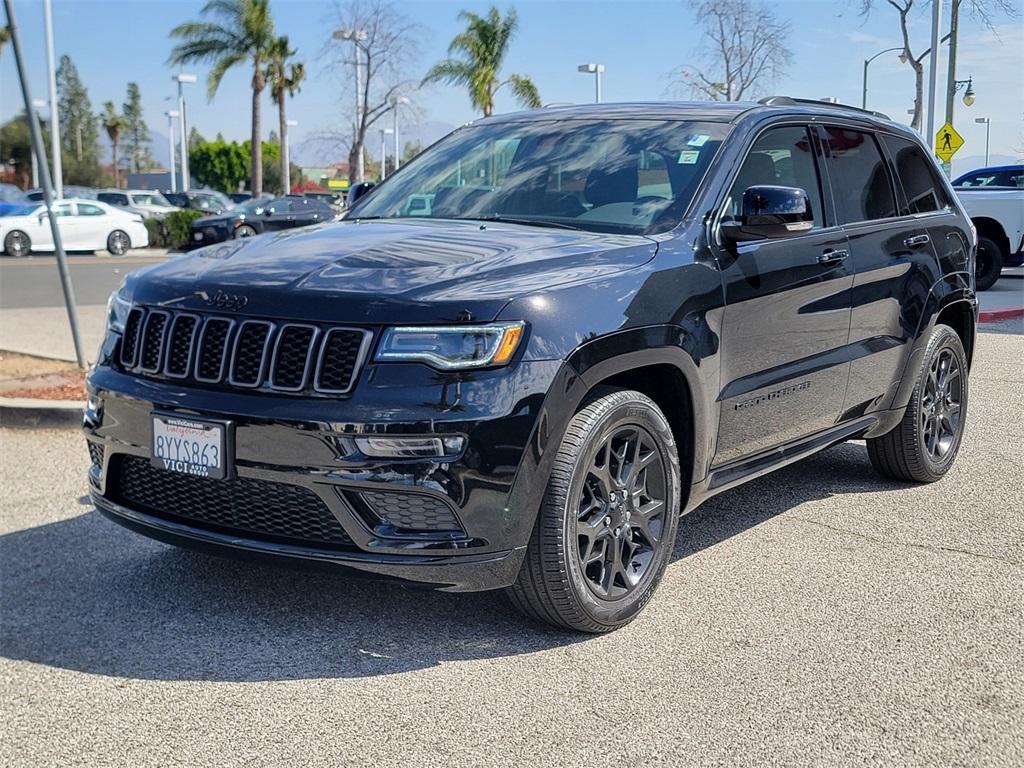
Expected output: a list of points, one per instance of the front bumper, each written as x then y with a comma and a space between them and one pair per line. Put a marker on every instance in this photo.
292, 442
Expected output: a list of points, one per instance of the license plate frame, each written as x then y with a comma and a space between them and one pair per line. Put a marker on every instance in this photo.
192, 434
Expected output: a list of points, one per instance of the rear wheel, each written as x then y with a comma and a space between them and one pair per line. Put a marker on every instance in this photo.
17, 244
924, 445
607, 525
118, 243
988, 265
244, 231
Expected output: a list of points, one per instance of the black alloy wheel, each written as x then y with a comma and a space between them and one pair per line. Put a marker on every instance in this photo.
941, 404
118, 243
17, 244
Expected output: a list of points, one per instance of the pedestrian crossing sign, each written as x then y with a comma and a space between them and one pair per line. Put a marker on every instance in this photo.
947, 142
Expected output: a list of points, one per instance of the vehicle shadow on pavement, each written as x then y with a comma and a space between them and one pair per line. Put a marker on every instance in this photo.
86, 595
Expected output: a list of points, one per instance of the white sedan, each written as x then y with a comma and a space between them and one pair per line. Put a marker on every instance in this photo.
85, 225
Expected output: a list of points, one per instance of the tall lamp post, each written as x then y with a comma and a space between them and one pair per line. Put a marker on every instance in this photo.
286, 148
398, 150
172, 114
384, 133
181, 79
864, 87
356, 37
596, 70
988, 127
51, 71
37, 104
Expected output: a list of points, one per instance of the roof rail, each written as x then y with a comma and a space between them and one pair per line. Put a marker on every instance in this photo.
790, 101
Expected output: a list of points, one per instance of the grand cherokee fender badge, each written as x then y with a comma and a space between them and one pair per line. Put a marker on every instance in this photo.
222, 300
772, 395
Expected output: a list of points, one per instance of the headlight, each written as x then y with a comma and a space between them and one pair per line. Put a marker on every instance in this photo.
452, 347
117, 311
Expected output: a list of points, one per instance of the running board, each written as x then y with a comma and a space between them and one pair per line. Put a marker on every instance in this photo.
731, 475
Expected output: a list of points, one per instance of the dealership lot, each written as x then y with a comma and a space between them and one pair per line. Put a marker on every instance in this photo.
819, 615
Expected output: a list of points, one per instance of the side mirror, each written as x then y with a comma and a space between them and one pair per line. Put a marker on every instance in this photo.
770, 212
358, 191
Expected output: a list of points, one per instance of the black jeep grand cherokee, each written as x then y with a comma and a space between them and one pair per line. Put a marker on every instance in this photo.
523, 356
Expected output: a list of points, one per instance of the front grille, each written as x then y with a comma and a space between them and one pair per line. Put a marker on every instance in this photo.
243, 505
251, 354
411, 511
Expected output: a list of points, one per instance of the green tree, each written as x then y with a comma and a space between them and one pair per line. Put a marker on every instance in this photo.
284, 79
16, 144
113, 123
243, 31
79, 134
136, 132
195, 138
219, 164
483, 47
410, 150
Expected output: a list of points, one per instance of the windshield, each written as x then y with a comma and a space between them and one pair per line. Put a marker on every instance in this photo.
620, 176
149, 198
251, 206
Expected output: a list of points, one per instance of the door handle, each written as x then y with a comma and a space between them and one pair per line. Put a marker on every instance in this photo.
916, 240
832, 257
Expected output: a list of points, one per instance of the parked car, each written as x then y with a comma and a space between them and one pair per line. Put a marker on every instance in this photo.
72, 191
150, 203
10, 194
998, 215
85, 225
200, 200
610, 314
258, 216
996, 176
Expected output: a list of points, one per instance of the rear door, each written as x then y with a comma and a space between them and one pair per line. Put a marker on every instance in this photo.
893, 256
94, 225
787, 313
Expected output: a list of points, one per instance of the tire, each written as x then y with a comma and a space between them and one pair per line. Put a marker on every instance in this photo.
924, 445
988, 265
118, 243
245, 231
569, 578
17, 244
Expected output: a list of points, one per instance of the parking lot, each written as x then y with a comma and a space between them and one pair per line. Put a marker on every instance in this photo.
819, 615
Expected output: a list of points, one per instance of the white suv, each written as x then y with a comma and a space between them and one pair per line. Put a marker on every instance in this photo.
149, 203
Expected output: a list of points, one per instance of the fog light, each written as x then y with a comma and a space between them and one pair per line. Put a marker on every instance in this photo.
379, 447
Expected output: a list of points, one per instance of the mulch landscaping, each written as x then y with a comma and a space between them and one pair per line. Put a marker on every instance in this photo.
40, 378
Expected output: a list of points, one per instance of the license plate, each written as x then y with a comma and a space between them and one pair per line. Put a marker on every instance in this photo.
197, 235
189, 446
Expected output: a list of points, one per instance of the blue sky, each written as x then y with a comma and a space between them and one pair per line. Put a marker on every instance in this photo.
114, 41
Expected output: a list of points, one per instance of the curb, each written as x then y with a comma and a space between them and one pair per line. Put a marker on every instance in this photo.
32, 413
996, 315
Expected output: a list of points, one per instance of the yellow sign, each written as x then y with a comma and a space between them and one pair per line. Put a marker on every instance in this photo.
947, 142
337, 184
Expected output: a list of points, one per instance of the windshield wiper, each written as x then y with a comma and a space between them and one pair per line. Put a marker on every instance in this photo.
527, 222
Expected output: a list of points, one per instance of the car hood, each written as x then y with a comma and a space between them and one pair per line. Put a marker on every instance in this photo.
380, 272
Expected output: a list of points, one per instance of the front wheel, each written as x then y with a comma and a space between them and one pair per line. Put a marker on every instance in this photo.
245, 231
924, 445
988, 265
607, 525
118, 243
17, 244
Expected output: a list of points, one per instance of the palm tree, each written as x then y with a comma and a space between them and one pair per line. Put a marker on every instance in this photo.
483, 47
285, 80
114, 124
243, 31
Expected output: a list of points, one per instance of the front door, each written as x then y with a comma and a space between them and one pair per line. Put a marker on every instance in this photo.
787, 313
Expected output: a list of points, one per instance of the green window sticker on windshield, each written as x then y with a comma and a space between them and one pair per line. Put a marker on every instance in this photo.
688, 157
697, 140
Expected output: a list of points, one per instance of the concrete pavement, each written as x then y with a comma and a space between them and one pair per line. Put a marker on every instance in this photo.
817, 616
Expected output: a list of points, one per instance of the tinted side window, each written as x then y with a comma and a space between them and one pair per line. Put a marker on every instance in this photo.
860, 180
84, 209
779, 157
1014, 179
921, 185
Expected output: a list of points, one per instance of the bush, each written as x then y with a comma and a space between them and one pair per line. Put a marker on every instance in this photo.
178, 227
157, 233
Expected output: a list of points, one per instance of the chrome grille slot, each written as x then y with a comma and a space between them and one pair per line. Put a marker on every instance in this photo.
292, 355
153, 334
179, 345
341, 356
249, 361
130, 339
213, 350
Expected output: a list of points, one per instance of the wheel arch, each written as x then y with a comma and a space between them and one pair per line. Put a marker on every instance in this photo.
992, 229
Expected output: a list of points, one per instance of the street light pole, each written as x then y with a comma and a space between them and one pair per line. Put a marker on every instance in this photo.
596, 70
933, 71
384, 133
398, 150
171, 114
864, 87
37, 104
58, 171
988, 126
181, 79
286, 148
357, 36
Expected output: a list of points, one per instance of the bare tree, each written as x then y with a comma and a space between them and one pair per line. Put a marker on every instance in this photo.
744, 49
984, 10
388, 44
